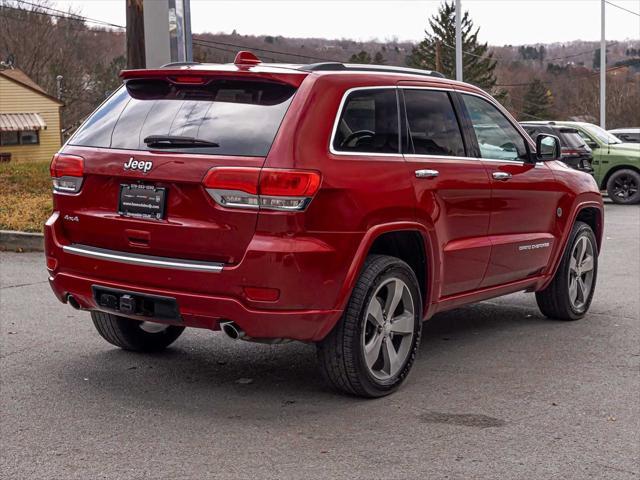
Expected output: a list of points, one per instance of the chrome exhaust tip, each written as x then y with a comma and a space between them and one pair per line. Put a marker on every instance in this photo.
231, 330
73, 302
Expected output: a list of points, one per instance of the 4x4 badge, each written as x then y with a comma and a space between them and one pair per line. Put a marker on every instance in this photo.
132, 164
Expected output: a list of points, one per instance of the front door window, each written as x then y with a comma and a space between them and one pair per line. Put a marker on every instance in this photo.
497, 137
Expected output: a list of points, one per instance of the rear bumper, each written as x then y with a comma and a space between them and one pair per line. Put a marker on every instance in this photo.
308, 272
202, 311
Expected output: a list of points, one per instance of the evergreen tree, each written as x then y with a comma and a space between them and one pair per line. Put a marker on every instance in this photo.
361, 57
437, 50
378, 59
537, 100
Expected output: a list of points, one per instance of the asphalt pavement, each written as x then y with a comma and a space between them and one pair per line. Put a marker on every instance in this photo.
498, 392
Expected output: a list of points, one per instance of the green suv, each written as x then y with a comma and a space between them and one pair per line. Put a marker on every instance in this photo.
616, 164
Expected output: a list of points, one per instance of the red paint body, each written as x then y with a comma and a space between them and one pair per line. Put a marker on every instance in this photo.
472, 226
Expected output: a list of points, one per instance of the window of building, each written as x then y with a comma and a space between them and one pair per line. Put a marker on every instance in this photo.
9, 138
25, 137
29, 137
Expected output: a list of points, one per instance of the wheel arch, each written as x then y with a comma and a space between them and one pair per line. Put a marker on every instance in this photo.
593, 217
408, 246
388, 238
612, 170
592, 213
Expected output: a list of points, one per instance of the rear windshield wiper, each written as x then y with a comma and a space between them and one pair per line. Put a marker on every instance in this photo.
171, 141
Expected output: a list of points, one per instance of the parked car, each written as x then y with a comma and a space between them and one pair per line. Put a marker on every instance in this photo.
616, 164
327, 203
627, 135
575, 152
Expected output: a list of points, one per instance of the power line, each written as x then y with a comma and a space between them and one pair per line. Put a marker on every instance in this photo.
74, 15
527, 114
622, 8
222, 49
289, 54
585, 75
56, 15
580, 53
4, 14
463, 51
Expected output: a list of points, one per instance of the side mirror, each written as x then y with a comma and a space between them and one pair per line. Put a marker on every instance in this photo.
591, 144
547, 147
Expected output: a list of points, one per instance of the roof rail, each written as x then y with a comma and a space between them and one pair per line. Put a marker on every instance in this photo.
179, 64
358, 67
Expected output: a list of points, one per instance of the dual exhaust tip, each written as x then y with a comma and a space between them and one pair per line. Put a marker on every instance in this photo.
232, 330
71, 300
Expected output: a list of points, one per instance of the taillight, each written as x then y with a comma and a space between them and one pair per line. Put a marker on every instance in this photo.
570, 152
267, 188
67, 172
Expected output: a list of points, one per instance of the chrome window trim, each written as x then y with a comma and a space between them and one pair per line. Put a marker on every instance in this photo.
438, 157
336, 121
444, 88
143, 260
493, 160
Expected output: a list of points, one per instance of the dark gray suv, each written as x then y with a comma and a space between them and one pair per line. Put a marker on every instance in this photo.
575, 152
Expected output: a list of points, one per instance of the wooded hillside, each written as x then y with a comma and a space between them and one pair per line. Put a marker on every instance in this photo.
564, 77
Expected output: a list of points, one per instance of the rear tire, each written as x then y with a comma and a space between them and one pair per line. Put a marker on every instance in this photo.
623, 187
371, 350
569, 295
134, 335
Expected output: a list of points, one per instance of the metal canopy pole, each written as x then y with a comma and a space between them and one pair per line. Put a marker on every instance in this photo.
603, 68
459, 40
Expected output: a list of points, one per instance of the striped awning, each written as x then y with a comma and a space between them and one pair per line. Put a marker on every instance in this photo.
12, 122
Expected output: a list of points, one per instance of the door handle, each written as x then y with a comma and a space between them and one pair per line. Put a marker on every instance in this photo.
502, 176
427, 173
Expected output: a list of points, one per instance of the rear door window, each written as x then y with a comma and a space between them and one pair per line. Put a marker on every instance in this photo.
369, 123
433, 125
240, 117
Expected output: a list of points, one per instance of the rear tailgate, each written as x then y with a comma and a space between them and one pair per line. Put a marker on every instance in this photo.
193, 227
238, 115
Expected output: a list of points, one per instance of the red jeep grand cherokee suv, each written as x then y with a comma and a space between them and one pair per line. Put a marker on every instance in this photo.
327, 203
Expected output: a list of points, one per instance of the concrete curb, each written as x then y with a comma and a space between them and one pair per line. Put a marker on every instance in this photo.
21, 241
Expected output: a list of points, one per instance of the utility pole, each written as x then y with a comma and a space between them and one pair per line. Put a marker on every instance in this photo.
603, 68
135, 34
459, 40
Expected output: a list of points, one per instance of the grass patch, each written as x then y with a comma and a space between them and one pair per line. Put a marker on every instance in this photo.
25, 201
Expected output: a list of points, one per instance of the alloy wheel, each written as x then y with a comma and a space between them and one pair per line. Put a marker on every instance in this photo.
581, 270
388, 330
624, 186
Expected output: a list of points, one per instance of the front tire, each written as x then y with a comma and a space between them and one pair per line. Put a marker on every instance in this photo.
134, 335
370, 352
569, 295
623, 187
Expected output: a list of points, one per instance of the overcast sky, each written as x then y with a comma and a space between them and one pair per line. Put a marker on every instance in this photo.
501, 21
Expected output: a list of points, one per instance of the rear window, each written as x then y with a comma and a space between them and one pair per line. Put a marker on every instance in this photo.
570, 138
240, 117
